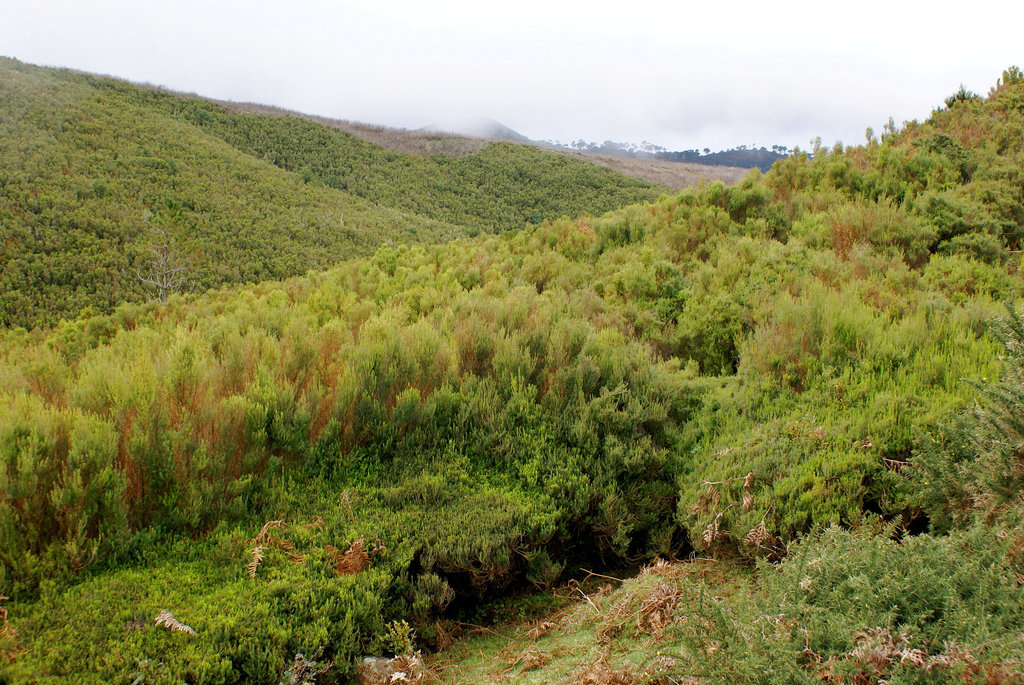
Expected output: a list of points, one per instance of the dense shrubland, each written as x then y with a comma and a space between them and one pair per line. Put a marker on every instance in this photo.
93, 169
722, 371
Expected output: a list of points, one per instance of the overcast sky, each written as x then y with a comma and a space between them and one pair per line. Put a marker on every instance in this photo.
679, 74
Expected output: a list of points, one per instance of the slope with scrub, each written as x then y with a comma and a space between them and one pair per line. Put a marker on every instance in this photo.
300, 466
93, 170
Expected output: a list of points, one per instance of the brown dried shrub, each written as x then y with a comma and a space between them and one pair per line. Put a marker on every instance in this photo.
878, 651
355, 559
657, 608
601, 673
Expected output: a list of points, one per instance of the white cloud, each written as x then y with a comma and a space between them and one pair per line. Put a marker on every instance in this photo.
678, 74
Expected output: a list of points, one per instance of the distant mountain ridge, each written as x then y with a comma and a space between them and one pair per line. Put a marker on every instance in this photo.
741, 156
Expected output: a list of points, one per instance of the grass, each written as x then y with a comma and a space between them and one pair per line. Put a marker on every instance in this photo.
601, 630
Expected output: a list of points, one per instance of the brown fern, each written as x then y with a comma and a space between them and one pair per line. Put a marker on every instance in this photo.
167, 619
257, 559
266, 529
279, 543
355, 559
757, 536
10, 645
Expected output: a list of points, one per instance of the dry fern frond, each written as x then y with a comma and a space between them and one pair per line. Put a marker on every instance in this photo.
266, 528
711, 532
757, 536
656, 567
708, 500
446, 633
279, 543
317, 523
657, 608
530, 659
257, 558
167, 619
600, 673
878, 650
407, 668
748, 500
540, 629
664, 568
355, 559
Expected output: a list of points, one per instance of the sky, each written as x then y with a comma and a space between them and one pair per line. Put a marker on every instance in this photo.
679, 74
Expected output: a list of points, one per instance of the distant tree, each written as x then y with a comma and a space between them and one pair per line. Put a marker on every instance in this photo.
1011, 76
167, 270
962, 95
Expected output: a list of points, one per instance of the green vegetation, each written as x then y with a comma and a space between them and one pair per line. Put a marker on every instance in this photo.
93, 169
503, 186
847, 607
773, 373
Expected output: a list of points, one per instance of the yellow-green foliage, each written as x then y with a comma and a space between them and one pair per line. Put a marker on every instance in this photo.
91, 169
720, 370
846, 607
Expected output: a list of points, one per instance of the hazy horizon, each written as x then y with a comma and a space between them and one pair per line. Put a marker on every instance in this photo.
678, 77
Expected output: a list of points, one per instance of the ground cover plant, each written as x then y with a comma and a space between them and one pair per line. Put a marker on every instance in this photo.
779, 373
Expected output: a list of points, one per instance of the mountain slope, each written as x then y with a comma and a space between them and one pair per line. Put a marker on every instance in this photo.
92, 170
502, 186
662, 172
86, 174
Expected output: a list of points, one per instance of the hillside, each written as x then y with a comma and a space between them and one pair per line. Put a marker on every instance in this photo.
88, 171
662, 172
93, 169
810, 380
678, 175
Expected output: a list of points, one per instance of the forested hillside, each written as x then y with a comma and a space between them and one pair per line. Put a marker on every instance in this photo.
93, 171
504, 185
673, 174
321, 465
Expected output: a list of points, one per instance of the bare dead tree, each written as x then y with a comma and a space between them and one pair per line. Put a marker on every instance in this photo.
167, 269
